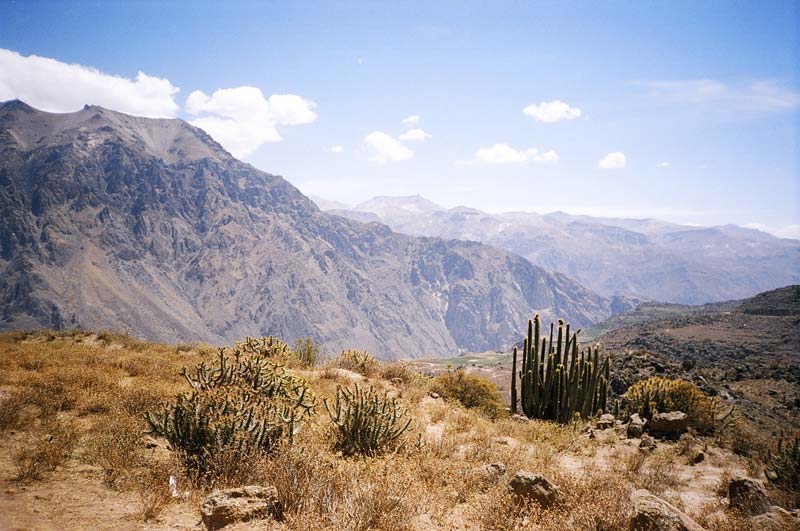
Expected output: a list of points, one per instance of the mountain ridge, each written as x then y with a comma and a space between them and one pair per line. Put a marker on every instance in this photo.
115, 221
646, 258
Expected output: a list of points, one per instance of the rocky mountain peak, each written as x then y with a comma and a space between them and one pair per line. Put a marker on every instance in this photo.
111, 221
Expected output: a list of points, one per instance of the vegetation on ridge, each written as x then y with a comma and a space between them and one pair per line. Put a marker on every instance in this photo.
438, 475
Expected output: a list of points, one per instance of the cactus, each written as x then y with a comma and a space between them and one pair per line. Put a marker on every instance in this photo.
242, 403
661, 395
354, 360
556, 380
783, 465
366, 422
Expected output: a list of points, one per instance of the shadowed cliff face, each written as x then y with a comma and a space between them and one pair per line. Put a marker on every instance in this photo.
114, 221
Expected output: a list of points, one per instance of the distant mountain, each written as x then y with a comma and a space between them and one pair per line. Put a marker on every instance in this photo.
113, 221
647, 259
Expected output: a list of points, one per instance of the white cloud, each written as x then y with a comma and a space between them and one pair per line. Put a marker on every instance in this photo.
384, 148
502, 153
613, 161
787, 231
242, 119
411, 121
552, 111
54, 86
664, 164
335, 149
414, 134
766, 95
360, 61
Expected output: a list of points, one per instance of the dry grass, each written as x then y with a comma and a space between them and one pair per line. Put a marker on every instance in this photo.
48, 446
82, 396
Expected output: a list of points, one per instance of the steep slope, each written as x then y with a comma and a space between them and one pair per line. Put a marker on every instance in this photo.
114, 221
648, 259
745, 350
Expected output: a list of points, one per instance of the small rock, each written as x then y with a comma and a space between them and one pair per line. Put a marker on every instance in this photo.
654, 514
492, 472
635, 426
647, 442
238, 505
669, 425
519, 418
396, 381
434, 395
150, 442
605, 421
748, 495
535, 487
698, 458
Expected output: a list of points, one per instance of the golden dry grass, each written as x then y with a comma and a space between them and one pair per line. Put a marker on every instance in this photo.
80, 398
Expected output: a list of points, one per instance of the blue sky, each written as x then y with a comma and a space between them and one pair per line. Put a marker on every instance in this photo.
697, 103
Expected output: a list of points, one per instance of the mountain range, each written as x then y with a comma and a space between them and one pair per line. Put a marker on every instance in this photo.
111, 221
643, 259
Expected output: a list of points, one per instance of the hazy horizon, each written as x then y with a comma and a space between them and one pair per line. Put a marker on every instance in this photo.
685, 113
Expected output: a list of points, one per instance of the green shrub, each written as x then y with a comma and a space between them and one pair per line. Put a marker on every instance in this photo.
662, 395
366, 421
471, 390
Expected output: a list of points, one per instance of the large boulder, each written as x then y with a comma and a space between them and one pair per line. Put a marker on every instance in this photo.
225, 507
529, 486
776, 519
651, 513
670, 425
748, 495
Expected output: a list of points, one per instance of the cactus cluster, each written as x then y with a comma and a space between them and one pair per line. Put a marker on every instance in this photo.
366, 421
783, 465
358, 361
242, 403
557, 380
661, 395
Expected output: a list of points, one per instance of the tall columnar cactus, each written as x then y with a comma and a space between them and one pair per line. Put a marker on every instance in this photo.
366, 421
556, 379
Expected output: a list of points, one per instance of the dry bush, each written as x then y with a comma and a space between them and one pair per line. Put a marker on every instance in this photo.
48, 447
471, 390
14, 411
153, 491
115, 444
742, 438
598, 502
656, 473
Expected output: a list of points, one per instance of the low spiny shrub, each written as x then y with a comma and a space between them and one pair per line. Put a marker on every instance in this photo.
243, 404
783, 465
366, 422
661, 395
363, 363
